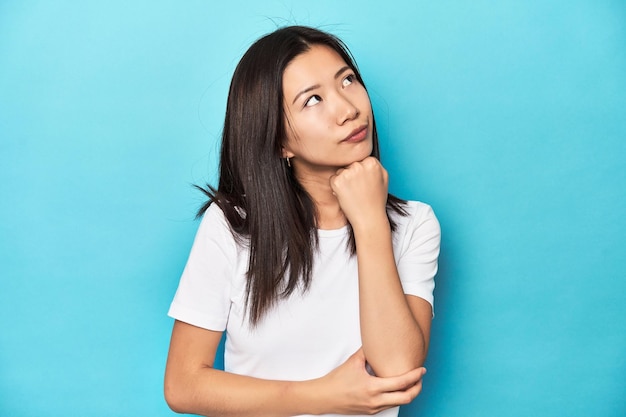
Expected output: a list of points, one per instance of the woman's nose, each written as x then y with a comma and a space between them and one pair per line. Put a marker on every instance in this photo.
346, 111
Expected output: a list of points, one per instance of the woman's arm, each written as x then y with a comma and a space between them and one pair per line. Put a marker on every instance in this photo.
395, 328
193, 386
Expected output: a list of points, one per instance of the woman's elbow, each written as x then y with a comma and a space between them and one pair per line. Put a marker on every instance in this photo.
174, 396
399, 363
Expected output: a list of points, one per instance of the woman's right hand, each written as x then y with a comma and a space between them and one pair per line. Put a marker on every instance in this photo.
350, 389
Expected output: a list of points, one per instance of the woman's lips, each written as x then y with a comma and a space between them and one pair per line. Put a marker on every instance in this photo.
357, 135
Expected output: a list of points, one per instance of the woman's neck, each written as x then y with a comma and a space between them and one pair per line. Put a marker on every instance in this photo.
328, 211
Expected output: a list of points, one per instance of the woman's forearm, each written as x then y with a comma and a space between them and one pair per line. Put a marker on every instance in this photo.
212, 392
393, 340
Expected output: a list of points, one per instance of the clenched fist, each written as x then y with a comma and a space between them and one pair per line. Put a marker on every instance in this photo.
361, 189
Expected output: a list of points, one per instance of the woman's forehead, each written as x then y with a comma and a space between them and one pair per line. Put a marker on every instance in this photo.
318, 64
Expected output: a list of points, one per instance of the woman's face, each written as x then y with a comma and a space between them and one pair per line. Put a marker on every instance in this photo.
328, 113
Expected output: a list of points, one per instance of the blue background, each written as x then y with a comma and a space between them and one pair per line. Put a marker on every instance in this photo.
508, 117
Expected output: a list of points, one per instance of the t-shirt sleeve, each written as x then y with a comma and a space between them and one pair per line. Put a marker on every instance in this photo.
418, 258
203, 295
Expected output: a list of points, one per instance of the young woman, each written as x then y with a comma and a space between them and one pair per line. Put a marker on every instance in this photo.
321, 280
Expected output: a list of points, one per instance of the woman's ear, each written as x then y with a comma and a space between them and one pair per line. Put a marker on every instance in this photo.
286, 153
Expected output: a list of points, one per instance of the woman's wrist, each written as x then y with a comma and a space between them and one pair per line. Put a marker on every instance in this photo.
377, 225
310, 397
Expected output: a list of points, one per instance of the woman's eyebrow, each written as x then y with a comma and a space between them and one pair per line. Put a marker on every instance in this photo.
313, 87
341, 71
306, 90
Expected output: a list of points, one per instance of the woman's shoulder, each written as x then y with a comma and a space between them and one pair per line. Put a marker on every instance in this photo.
417, 209
214, 215
416, 205
419, 215
214, 224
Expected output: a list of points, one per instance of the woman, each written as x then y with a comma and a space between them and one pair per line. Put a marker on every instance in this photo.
322, 280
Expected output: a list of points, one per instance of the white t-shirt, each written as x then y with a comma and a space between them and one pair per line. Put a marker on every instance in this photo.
308, 334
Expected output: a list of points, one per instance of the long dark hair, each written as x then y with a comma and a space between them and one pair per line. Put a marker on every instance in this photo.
265, 205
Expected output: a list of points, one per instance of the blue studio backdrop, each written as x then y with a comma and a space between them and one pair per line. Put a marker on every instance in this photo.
508, 117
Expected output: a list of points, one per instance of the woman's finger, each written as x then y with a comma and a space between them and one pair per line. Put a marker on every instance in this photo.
401, 382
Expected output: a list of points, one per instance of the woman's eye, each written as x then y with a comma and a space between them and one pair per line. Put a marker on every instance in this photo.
312, 101
348, 80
